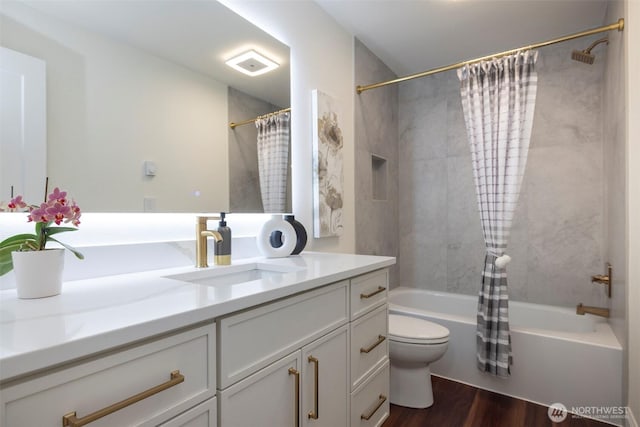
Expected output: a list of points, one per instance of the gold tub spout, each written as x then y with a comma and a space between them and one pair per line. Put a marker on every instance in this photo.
598, 311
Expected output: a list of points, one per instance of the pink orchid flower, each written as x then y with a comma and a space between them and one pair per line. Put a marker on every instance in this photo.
74, 216
16, 203
39, 214
58, 196
58, 212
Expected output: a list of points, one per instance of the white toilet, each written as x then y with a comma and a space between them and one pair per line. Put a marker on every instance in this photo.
413, 344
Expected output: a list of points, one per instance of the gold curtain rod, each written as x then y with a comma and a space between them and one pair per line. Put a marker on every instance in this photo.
233, 125
617, 26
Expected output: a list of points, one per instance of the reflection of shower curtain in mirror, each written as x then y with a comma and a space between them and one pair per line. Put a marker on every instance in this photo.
273, 160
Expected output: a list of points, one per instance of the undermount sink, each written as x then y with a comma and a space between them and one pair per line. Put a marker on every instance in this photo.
235, 274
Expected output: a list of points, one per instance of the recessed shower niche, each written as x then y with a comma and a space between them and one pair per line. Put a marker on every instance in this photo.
378, 177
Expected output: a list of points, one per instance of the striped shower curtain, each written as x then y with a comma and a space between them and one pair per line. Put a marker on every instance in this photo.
498, 99
273, 160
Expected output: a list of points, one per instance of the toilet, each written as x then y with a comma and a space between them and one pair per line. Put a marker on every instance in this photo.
413, 345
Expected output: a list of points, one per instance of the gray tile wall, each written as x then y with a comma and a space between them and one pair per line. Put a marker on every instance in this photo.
557, 239
376, 130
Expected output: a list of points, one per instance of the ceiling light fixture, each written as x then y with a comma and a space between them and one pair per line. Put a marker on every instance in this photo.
252, 63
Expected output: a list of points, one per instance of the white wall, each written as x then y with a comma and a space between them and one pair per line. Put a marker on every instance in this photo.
110, 107
615, 158
633, 199
321, 58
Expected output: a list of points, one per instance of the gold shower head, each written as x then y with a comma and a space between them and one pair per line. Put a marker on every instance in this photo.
585, 55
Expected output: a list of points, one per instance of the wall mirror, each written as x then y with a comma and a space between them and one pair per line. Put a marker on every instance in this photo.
139, 101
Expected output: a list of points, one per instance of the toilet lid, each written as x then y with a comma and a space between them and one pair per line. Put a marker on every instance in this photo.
414, 330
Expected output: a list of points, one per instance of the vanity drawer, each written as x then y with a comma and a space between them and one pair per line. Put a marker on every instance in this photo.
88, 387
370, 402
368, 291
369, 344
251, 340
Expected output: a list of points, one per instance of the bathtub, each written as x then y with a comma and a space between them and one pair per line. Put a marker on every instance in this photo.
558, 356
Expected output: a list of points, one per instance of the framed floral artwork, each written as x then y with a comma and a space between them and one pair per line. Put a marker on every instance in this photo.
328, 179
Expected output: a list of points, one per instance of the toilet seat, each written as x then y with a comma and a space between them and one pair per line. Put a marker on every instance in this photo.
413, 330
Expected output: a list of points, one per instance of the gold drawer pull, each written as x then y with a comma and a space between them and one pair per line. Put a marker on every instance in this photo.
295, 372
374, 293
381, 399
71, 420
381, 338
316, 412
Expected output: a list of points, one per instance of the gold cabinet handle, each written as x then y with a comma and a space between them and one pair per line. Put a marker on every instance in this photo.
381, 399
297, 392
316, 412
381, 338
71, 420
374, 293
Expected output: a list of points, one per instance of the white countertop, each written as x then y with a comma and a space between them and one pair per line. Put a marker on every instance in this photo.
94, 315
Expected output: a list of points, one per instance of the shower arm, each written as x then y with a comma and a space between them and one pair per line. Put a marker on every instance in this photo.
596, 43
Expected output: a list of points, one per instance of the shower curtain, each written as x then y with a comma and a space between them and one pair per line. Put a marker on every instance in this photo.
498, 99
273, 160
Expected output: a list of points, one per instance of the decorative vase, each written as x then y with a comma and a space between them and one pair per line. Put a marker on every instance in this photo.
301, 235
287, 240
38, 273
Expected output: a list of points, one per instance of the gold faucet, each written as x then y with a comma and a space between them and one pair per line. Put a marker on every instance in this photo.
598, 311
201, 239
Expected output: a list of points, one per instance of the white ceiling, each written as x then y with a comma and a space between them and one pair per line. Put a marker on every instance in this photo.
411, 36
200, 35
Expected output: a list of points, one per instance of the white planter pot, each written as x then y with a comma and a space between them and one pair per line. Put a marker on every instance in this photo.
38, 273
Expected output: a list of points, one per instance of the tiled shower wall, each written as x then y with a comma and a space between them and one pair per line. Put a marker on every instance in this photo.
557, 239
376, 178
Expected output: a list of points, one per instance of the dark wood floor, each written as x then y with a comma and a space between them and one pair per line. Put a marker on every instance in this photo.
461, 405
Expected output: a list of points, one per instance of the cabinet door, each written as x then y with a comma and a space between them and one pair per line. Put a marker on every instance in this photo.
325, 380
270, 397
203, 415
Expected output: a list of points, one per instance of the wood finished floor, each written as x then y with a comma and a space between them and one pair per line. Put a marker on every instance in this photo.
461, 405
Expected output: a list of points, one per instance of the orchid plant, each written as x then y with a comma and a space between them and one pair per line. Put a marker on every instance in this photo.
47, 218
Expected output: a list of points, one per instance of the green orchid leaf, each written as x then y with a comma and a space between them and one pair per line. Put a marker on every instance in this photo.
5, 266
71, 248
55, 230
17, 238
39, 226
6, 262
6, 250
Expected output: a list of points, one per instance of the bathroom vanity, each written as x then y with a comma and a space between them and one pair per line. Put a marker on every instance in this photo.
286, 342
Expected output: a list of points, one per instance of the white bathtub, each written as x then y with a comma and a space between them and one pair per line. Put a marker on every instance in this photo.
559, 357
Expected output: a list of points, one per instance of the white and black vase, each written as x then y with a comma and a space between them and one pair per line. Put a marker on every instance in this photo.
301, 235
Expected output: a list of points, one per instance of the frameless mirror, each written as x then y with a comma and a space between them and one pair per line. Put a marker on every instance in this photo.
139, 101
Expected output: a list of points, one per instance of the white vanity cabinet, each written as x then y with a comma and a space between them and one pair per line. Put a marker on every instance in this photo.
307, 351
166, 380
308, 360
292, 356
